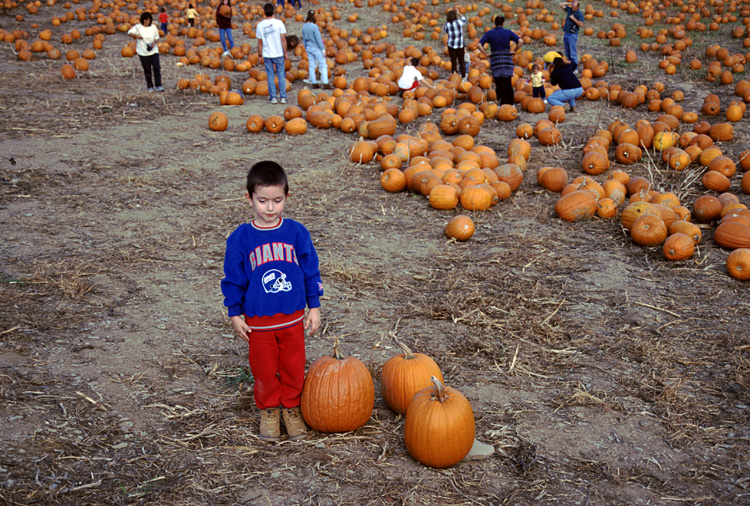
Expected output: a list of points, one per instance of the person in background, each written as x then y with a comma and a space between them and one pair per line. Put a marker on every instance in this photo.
411, 77
224, 20
163, 20
563, 75
501, 58
573, 22
536, 78
315, 49
191, 14
146, 35
271, 34
454, 28
549, 57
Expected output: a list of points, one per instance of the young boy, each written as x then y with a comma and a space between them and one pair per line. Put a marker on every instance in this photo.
163, 19
271, 276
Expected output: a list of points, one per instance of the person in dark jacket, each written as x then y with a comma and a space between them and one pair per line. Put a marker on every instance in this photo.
563, 75
501, 58
224, 20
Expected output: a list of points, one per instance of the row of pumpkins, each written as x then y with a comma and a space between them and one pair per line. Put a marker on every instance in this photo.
658, 218
339, 396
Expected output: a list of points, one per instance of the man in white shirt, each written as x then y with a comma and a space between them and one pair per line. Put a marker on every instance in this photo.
271, 34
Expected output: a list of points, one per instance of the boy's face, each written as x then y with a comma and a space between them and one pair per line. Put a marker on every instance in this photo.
268, 204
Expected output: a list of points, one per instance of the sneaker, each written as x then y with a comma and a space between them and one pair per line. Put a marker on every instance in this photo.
270, 425
545, 100
307, 81
572, 108
316, 86
151, 90
159, 88
273, 101
295, 425
226, 53
327, 86
283, 101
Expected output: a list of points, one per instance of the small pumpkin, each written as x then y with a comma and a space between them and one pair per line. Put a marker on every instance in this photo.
689, 229
594, 163
460, 227
404, 375
707, 208
648, 230
338, 394
475, 198
362, 151
738, 264
218, 121
274, 123
678, 246
439, 429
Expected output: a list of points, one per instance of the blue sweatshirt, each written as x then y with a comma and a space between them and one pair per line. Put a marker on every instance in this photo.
271, 271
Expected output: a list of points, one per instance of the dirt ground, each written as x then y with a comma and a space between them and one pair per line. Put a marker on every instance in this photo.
601, 373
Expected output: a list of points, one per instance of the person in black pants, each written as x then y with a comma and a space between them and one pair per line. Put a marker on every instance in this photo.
501, 59
146, 35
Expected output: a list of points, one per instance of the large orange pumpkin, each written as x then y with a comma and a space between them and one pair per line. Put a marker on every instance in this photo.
648, 230
678, 246
577, 205
338, 395
404, 375
439, 429
732, 235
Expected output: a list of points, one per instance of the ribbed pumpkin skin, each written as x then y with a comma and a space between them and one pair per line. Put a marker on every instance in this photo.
338, 395
439, 434
403, 377
578, 205
732, 235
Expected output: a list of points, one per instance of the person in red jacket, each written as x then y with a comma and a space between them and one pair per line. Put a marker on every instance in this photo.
224, 20
163, 19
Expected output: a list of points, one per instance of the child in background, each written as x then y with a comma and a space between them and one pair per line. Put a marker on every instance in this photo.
271, 276
191, 15
537, 83
467, 63
411, 77
163, 19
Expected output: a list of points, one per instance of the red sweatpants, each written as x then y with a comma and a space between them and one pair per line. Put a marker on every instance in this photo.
277, 360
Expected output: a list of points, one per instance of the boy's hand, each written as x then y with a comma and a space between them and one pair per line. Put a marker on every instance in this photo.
312, 320
241, 328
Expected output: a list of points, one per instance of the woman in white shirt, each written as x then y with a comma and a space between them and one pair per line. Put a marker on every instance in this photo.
146, 35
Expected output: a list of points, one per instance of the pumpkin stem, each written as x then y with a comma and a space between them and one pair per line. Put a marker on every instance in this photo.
408, 354
336, 352
439, 394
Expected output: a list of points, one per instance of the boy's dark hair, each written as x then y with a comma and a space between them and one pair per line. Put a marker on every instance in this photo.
268, 9
452, 16
266, 173
146, 15
499, 20
310, 17
190, 6
415, 61
163, 9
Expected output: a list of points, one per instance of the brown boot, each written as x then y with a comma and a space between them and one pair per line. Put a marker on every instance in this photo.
295, 425
270, 426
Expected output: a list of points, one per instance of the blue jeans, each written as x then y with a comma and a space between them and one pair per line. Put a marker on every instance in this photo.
317, 60
224, 34
570, 41
275, 66
560, 97
298, 3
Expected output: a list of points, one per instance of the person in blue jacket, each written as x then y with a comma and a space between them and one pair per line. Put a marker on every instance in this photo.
315, 50
271, 275
501, 58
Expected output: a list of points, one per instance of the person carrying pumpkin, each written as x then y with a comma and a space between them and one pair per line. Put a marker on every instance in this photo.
224, 21
271, 276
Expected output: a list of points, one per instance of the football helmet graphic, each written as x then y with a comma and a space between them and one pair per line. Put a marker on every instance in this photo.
274, 281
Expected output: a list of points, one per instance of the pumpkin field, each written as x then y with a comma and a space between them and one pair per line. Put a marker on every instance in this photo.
590, 297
